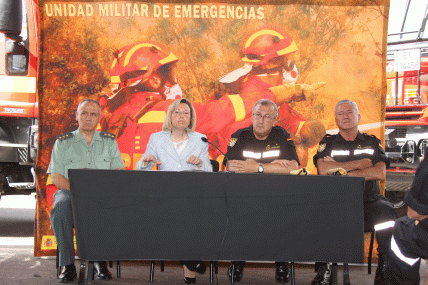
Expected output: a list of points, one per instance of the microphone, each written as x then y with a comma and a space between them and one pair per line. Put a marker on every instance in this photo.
204, 139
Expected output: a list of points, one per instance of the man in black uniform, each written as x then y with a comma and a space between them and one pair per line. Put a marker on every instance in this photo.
262, 148
409, 242
359, 154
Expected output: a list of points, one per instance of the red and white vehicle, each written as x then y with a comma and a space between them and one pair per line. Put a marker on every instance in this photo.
406, 118
18, 95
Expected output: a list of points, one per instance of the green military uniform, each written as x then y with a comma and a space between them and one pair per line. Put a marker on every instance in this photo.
72, 152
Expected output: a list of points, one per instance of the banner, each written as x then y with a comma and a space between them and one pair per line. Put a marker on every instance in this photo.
136, 57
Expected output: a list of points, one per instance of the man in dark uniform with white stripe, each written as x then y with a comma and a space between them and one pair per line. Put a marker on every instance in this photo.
409, 241
262, 147
359, 154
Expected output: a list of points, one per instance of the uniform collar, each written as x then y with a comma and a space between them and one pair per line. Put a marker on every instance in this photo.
250, 128
359, 136
78, 136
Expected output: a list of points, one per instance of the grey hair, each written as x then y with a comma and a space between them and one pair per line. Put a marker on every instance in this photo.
347, 101
266, 102
90, 101
167, 125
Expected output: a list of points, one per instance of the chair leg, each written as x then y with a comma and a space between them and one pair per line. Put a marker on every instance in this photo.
346, 279
162, 266
333, 276
293, 274
232, 280
118, 268
90, 276
58, 268
152, 270
369, 266
211, 272
82, 269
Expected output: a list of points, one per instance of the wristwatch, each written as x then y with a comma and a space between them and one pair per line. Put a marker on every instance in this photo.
260, 169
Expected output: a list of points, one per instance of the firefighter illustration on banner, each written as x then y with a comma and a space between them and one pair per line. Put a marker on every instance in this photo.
267, 54
144, 84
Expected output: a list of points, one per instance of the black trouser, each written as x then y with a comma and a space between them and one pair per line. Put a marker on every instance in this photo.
377, 212
408, 245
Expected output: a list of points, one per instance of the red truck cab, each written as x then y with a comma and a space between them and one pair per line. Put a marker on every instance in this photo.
18, 95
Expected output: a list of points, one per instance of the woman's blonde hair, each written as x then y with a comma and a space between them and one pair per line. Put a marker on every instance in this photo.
167, 126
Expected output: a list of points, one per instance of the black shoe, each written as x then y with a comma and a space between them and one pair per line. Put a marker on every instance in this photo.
238, 273
200, 267
101, 270
380, 271
282, 274
188, 280
68, 274
323, 276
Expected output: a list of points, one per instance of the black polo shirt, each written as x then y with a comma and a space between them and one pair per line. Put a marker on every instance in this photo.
417, 197
364, 146
278, 145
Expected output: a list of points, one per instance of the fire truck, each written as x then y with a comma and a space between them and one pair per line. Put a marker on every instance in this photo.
406, 117
18, 96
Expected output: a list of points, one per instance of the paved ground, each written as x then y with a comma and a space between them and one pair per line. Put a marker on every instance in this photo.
18, 266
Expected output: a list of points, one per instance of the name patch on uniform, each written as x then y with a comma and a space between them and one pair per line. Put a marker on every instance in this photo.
269, 147
321, 147
232, 142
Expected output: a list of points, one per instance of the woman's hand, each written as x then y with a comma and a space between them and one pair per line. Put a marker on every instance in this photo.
149, 158
195, 160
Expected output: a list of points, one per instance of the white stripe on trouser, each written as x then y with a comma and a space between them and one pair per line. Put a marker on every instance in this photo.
396, 250
384, 226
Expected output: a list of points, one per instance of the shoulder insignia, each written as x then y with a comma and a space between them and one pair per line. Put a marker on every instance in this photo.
107, 135
369, 135
65, 136
232, 142
321, 147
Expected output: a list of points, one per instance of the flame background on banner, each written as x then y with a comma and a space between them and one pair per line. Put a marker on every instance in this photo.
343, 45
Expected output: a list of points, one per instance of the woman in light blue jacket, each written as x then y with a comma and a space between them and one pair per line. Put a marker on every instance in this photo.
177, 148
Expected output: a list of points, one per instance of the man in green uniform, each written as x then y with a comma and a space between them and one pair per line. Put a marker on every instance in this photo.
82, 148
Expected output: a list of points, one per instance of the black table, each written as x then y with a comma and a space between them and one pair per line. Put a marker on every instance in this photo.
157, 215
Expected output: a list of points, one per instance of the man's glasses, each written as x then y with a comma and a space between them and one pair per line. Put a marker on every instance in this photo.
259, 117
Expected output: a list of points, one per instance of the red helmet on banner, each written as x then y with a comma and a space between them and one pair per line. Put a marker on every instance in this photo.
265, 43
137, 61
